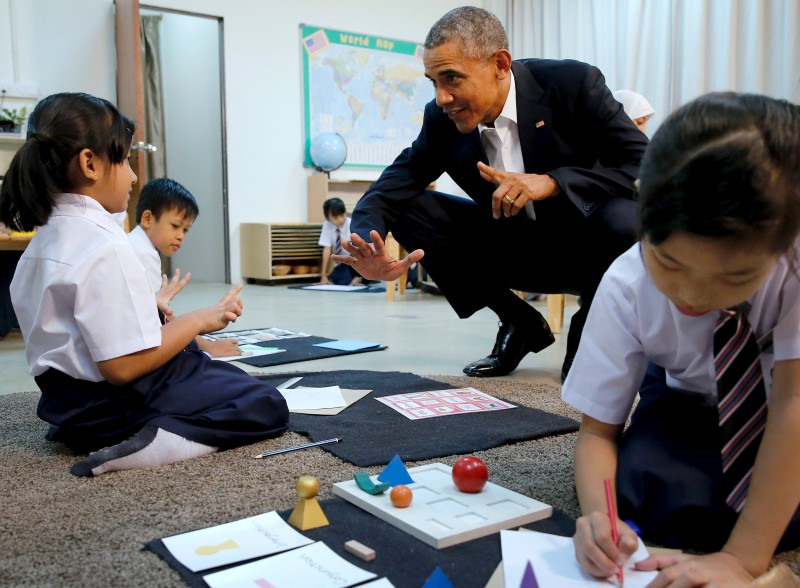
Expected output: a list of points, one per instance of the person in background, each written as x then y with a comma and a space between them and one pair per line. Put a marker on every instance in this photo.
164, 214
548, 158
335, 232
636, 107
700, 318
112, 377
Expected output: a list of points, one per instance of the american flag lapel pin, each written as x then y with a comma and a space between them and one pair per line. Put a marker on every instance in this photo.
540, 124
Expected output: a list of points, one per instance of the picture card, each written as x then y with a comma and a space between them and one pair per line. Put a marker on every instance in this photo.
425, 405
256, 335
316, 564
264, 534
248, 350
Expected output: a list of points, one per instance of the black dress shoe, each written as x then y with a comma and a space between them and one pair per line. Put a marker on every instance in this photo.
514, 341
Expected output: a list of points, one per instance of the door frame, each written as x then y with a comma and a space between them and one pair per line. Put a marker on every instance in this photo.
130, 98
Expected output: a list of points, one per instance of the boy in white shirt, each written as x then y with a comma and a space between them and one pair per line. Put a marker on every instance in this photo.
164, 214
335, 232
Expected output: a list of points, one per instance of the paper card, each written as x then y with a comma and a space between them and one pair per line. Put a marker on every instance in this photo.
314, 565
249, 350
347, 345
334, 288
313, 398
256, 335
381, 583
554, 564
423, 405
240, 540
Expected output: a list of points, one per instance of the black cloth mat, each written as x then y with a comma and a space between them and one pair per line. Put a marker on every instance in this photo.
299, 349
373, 433
369, 288
403, 559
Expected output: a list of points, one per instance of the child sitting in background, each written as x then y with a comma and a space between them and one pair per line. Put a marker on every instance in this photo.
164, 214
702, 319
111, 375
335, 231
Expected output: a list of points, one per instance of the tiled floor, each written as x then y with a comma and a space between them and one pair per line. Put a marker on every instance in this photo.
423, 334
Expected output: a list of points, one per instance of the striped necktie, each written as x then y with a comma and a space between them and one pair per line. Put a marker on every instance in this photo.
337, 244
742, 403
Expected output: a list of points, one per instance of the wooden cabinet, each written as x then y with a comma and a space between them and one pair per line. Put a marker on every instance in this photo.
320, 188
281, 251
9, 143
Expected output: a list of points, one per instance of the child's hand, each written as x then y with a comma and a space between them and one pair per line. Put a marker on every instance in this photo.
169, 289
680, 569
227, 310
357, 281
594, 545
220, 347
324, 280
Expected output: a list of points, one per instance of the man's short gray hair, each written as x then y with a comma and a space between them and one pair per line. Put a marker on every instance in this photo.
480, 32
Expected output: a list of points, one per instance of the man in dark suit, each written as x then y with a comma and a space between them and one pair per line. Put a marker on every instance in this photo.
549, 159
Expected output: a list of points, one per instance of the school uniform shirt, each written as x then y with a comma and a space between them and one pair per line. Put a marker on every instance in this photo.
327, 236
81, 293
631, 323
148, 255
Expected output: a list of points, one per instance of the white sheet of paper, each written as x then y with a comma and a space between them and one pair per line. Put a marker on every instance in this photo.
350, 398
554, 565
334, 288
314, 565
249, 350
381, 583
308, 398
256, 536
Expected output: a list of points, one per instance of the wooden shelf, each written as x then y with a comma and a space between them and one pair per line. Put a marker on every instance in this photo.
320, 188
266, 245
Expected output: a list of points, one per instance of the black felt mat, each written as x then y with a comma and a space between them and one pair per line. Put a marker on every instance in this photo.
404, 560
299, 349
373, 433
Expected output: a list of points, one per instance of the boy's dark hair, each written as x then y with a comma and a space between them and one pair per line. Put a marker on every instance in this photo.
333, 207
59, 128
161, 195
727, 166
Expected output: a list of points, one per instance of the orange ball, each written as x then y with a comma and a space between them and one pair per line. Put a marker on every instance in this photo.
401, 496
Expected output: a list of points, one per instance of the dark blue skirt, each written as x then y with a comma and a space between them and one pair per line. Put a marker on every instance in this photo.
207, 401
670, 470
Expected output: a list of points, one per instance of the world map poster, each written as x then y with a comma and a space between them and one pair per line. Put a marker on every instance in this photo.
371, 90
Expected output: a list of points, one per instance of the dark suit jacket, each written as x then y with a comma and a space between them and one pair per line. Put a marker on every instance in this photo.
587, 144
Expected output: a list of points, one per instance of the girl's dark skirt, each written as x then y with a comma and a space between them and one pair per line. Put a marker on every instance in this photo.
203, 400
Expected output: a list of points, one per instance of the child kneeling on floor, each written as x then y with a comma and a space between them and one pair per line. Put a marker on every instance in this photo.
111, 375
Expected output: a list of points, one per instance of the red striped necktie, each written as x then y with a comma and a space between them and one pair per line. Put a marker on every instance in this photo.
742, 403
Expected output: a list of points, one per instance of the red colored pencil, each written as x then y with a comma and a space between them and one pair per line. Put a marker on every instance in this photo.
612, 514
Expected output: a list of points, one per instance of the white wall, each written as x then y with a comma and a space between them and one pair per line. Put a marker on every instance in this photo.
70, 46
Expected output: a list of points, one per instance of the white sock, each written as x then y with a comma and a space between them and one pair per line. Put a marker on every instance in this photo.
149, 448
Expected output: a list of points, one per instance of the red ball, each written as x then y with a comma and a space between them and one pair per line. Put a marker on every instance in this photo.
470, 474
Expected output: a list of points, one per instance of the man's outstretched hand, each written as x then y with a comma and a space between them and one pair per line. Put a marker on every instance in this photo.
371, 260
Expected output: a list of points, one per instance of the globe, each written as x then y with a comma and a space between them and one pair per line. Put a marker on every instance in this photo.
328, 151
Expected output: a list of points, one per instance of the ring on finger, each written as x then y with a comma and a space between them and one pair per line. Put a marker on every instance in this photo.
509, 200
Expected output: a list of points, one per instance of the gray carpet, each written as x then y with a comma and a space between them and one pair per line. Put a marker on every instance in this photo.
58, 530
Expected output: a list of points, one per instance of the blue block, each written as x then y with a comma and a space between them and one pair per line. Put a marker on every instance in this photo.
395, 473
438, 579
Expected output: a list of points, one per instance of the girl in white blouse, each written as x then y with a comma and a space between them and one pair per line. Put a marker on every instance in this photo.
111, 376
720, 218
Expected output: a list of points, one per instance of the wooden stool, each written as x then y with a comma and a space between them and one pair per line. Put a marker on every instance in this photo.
555, 309
394, 249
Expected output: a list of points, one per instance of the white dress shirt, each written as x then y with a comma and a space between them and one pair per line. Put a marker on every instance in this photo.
148, 255
327, 237
632, 323
501, 142
80, 293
